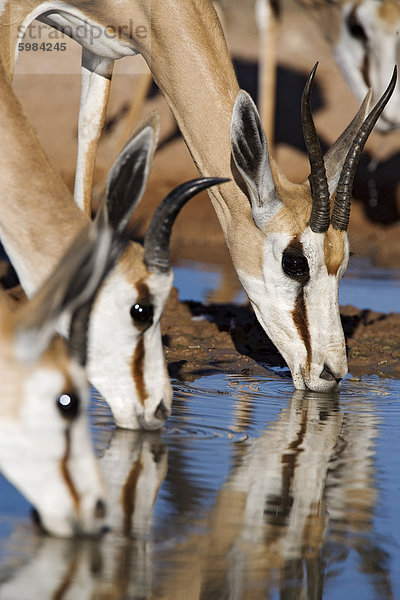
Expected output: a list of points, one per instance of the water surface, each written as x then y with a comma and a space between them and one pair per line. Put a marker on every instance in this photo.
251, 491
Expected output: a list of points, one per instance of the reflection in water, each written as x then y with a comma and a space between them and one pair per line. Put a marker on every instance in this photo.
243, 512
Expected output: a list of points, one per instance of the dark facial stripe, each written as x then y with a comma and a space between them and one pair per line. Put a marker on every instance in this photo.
138, 370
299, 312
143, 292
65, 469
128, 495
139, 354
300, 319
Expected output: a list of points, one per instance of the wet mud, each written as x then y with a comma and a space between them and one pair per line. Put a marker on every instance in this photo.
203, 339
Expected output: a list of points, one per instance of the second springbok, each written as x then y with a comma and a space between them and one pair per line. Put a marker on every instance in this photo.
45, 445
38, 219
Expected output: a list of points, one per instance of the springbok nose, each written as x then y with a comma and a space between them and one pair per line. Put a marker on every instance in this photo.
161, 412
328, 374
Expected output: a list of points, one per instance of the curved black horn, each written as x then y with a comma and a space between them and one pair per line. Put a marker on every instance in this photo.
157, 238
320, 212
341, 207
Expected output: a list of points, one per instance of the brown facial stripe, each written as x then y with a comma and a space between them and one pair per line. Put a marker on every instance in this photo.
143, 292
138, 356
300, 319
65, 470
295, 245
128, 495
138, 370
299, 312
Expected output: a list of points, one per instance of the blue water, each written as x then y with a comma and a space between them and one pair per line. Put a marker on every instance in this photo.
362, 286
227, 443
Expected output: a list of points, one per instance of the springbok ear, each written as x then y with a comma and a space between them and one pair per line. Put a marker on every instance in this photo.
250, 153
128, 176
336, 155
73, 284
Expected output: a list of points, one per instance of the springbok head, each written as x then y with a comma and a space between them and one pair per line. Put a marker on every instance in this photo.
304, 249
45, 446
367, 47
124, 332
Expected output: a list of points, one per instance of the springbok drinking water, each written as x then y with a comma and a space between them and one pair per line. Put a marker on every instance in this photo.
38, 219
185, 49
45, 446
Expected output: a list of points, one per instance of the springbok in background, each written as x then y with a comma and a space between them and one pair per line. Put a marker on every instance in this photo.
38, 219
45, 447
194, 71
365, 40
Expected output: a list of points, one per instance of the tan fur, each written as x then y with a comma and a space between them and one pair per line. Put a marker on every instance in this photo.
334, 249
295, 214
389, 12
131, 263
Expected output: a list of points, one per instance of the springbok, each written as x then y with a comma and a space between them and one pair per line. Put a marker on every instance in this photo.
364, 36
45, 446
186, 51
38, 219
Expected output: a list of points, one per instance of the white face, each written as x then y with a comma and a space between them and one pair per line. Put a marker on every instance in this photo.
46, 451
367, 50
125, 354
300, 312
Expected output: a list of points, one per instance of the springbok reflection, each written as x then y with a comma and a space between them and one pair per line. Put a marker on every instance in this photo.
298, 500
135, 465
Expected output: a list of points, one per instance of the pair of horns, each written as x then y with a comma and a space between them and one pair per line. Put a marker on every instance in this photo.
320, 213
157, 238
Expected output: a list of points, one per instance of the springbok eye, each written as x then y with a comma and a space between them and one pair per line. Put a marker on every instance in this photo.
68, 404
295, 265
142, 314
355, 28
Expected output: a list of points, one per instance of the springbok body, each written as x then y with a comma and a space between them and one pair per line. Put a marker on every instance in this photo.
185, 49
38, 220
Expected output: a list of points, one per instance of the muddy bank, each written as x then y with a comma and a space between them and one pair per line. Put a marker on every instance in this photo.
201, 339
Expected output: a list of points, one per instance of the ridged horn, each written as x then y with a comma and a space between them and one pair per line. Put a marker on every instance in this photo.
320, 212
341, 207
157, 238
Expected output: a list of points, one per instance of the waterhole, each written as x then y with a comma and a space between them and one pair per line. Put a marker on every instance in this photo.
251, 489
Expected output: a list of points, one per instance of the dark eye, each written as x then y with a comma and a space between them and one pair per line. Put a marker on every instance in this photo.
355, 28
142, 313
68, 404
295, 265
